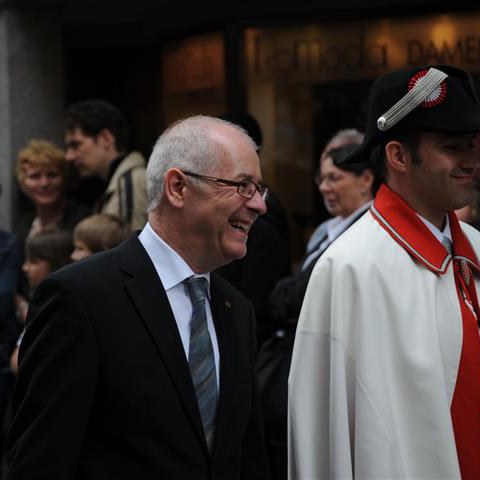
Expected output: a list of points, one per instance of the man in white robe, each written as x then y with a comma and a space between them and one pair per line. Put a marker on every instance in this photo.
385, 375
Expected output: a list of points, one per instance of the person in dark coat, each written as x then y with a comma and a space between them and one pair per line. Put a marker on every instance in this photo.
10, 258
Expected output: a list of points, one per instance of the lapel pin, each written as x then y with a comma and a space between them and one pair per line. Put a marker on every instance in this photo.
228, 304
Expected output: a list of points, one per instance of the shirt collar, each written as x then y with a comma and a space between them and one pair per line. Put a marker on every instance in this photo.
408, 230
338, 225
439, 234
170, 266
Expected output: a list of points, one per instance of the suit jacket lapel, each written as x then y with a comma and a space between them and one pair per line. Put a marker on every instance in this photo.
150, 300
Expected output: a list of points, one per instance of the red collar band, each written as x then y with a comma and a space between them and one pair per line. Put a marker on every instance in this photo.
408, 230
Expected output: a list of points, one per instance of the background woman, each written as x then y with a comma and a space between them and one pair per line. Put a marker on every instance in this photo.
42, 174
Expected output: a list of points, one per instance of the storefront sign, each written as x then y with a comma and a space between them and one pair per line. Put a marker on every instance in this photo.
362, 49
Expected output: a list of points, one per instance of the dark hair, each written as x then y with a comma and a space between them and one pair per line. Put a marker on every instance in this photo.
93, 116
338, 154
52, 245
410, 139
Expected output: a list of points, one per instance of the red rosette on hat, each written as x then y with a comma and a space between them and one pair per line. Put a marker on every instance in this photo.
436, 97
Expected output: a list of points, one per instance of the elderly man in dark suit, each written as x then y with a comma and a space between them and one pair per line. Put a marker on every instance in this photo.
126, 370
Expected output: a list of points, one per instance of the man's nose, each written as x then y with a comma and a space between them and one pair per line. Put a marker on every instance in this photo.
257, 203
69, 155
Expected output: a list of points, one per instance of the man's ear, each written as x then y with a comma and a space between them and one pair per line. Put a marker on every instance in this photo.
397, 156
175, 187
107, 138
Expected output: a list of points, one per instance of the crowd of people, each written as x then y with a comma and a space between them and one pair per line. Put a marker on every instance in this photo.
163, 332
57, 229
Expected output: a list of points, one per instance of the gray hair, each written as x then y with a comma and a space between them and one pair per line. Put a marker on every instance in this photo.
186, 145
342, 137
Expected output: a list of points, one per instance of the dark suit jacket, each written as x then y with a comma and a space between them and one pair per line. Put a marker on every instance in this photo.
266, 262
104, 389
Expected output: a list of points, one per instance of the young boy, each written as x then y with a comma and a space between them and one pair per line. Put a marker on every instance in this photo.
97, 233
44, 253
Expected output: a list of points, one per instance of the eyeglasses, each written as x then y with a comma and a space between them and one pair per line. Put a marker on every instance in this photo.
245, 188
330, 179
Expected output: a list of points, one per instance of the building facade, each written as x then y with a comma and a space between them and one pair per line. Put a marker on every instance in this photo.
303, 71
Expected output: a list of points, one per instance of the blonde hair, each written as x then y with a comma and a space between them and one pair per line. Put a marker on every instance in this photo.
40, 153
101, 231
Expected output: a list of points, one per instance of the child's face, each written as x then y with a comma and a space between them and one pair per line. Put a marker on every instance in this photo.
80, 250
36, 270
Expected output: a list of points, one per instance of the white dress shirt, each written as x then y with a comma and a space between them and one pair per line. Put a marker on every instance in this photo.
439, 234
172, 271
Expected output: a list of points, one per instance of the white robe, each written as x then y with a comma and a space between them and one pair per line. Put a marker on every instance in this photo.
375, 363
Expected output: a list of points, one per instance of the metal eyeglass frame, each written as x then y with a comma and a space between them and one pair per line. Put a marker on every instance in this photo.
244, 187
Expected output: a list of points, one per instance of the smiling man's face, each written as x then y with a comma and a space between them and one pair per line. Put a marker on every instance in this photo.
441, 178
219, 219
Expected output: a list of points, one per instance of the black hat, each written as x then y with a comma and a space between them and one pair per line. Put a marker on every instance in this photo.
339, 153
435, 98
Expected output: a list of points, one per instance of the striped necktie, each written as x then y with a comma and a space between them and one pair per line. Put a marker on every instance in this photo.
201, 358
